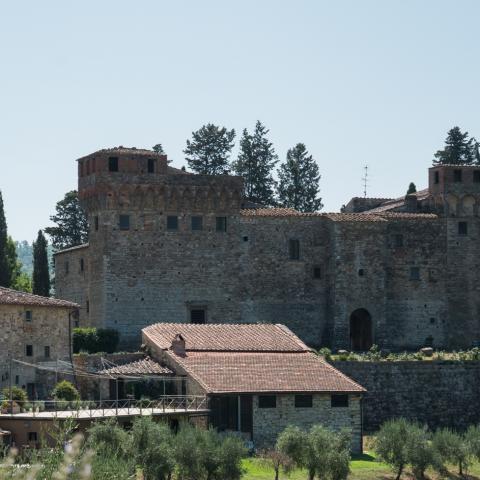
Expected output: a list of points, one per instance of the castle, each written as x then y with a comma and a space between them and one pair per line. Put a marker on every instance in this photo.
170, 246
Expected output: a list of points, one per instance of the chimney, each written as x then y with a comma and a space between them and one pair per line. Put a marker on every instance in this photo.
411, 202
178, 345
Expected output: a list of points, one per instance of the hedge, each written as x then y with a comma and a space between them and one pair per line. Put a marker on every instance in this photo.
94, 340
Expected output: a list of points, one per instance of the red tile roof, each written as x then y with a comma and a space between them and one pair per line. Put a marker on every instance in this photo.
232, 372
13, 297
71, 249
276, 212
144, 366
262, 337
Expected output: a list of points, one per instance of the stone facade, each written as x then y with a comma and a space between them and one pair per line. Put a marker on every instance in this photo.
34, 335
438, 393
167, 246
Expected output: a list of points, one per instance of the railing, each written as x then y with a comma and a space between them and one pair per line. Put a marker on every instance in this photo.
102, 408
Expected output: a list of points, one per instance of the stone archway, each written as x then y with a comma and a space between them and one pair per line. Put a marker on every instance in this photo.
361, 332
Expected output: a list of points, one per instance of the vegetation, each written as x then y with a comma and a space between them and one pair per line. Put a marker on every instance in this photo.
18, 395
5, 272
255, 164
299, 176
95, 340
158, 148
412, 188
71, 223
65, 390
41, 274
209, 150
459, 149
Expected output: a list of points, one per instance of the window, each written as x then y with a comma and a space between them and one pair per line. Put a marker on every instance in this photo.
29, 350
197, 223
317, 272
82, 265
32, 436
113, 164
437, 177
414, 273
476, 176
462, 228
124, 222
267, 401
221, 224
46, 352
151, 165
361, 272
303, 401
457, 176
339, 401
28, 316
67, 267
96, 223
172, 222
197, 315
17, 379
398, 240
87, 306
294, 249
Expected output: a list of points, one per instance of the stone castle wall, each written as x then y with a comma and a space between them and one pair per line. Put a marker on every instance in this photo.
438, 393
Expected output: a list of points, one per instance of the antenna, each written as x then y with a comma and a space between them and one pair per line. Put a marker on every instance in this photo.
365, 181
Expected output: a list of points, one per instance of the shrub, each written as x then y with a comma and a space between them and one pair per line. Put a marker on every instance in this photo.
94, 340
108, 439
276, 460
188, 453
230, 453
292, 442
420, 451
65, 390
326, 353
391, 444
453, 448
18, 395
472, 437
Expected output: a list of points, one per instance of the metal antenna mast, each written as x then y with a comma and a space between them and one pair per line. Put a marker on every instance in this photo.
365, 181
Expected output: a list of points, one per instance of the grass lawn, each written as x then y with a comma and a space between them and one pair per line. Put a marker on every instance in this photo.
363, 467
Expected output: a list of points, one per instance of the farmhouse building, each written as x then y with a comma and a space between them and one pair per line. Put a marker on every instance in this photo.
170, 246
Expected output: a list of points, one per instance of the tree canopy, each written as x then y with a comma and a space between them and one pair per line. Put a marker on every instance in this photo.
71, 223
299, 176
460, 149
41, 274
412, 188
158, 148
209, 150
255, 164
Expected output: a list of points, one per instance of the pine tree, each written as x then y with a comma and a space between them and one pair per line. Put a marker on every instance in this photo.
158, 149
5, 266
299, 176
72, 225
209, 150
459, 149
41, 274
412, 188
255, 164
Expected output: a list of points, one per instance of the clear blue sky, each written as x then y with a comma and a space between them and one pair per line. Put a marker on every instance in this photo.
359, 82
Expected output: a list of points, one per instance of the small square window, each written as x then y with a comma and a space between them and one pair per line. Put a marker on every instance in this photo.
46, 352
414, 273
457, 176
338, 401
437, 177
317, 272
294, 249
361, 272
476, 176
29, 350
113, 164
462, 228
82, 265
198, 316
267, 401
17, 379
28, 315
172, 222
398, 240
303, 401
87, 306
221, 224
96, 223
32, 436
124, 222
197, 223
151, 165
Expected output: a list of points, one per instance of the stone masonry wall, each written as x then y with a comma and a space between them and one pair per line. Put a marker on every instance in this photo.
438, 393
268, 423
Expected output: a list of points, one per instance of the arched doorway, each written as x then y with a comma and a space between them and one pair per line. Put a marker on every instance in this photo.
361, 337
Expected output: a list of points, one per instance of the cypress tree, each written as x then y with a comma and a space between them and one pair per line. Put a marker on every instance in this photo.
299, 176
255, 164
209, 150
412, 188
5, 269
41, 274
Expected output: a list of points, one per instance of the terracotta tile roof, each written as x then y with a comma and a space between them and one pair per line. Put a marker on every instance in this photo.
406, 215
276, 212
262, 337
398, 202
229, 372
13, 297
353, 217
71, 249
124, 151
144, 366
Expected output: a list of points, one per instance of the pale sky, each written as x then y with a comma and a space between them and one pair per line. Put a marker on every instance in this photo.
375, 82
